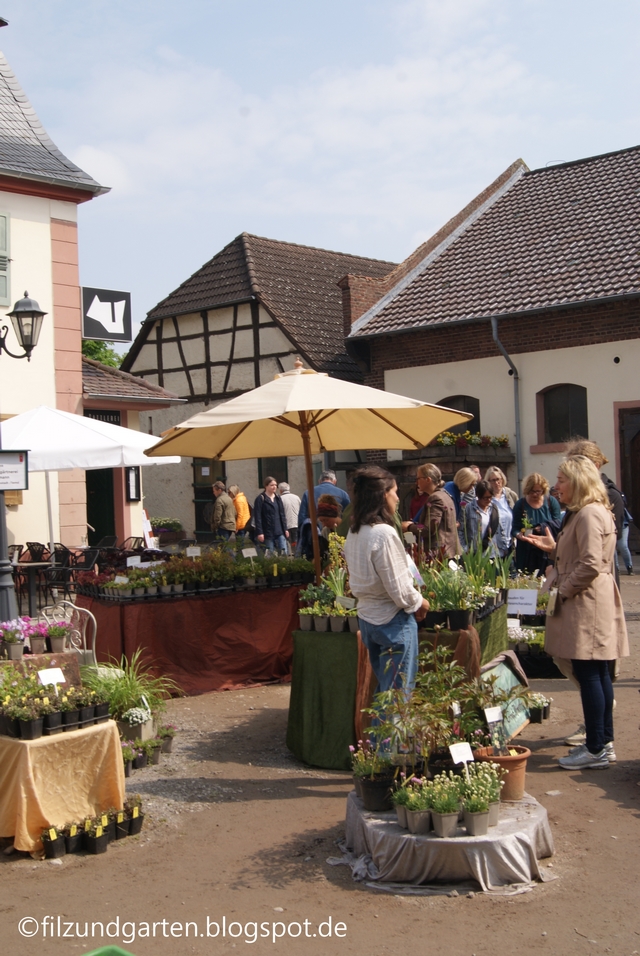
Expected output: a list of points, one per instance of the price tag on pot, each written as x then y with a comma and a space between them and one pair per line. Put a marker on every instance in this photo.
134, 812
461, 753
52, 834
98, 831
105, 820
120, 816
493, 714
51, 675
73, 830
87, 823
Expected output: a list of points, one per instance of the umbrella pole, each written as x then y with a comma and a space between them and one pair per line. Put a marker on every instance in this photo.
52, 553
312, 501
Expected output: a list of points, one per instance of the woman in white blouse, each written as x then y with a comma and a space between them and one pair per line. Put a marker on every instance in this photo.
389, 605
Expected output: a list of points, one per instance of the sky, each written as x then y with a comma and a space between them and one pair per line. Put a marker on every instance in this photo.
355, 125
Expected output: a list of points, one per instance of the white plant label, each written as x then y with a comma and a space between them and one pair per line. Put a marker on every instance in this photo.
493, 714
194, 552
346, 602
522, 601
249, 553
121, 579
134, 561
409, 537
461, 753
51, 675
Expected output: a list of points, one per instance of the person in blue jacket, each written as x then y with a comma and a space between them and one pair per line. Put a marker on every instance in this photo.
326, 486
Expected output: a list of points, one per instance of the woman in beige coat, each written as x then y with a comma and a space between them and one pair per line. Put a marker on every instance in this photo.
587, 625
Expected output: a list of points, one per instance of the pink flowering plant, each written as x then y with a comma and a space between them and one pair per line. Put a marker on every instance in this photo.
369, 759
13, 632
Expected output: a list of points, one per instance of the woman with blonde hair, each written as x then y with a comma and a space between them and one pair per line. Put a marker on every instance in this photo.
435, 523
587, 624
504, 499
535, 511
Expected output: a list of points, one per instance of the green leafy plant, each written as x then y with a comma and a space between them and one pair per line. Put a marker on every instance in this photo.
130, 684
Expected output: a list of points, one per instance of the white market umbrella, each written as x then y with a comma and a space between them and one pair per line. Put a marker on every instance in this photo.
303, 412
61, 441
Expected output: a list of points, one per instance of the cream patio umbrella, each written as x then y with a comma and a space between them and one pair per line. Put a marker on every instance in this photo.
303, 412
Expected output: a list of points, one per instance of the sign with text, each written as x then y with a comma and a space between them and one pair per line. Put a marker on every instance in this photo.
522, 601
14, 471
106, 315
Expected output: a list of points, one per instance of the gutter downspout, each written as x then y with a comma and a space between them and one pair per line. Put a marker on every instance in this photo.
516, 399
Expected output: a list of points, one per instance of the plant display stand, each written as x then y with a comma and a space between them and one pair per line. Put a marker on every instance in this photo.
507, 855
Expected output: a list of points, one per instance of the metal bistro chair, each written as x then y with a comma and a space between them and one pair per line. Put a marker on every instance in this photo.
58, 576
132, 544
110, 541
83, 636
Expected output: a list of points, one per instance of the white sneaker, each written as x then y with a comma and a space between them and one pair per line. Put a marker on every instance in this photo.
611, 754
578, 737
584, 760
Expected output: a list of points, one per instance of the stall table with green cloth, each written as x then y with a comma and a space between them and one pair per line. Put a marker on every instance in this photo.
203, 642
332, 681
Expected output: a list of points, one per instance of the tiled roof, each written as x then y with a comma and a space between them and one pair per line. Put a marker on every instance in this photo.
26, 151
102, 381
555, 236
297, 284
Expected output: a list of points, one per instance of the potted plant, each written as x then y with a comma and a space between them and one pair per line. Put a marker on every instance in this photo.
400, 800
141, 757
475, 807
128, 753
72, 837
152, 748
12, 633
136, 724
320, 616
58, 635
537, 703
94, 838
36, 635
70, 709
337, 618
53, 842
527, 525
133, 810
85, 699
376, 773
122, 824
305, 618
28, 714
51, 714
445, 804
352, 619
418, 808
166, 733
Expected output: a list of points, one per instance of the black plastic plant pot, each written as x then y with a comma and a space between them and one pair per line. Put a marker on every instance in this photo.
52, 724
54, 849
136, 824
31, 729
376, 793
95, 844
535, 715
102, 712
434, 618
70, 719
546, 710
87, 715
73, 843
11, 727
123, 829
128, 767
460, 620
140, 761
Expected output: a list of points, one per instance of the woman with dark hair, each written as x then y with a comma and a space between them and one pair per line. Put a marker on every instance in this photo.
389, 605
269, 518
435, 523
481, 520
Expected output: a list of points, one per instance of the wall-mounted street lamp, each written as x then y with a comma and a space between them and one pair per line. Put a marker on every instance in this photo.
26, 319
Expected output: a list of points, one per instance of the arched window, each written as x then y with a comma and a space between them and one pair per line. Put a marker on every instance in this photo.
564, 412
463, 403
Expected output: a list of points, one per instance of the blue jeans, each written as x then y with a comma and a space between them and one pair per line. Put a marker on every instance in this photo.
277, 543
393, 650
622, 548
596, 692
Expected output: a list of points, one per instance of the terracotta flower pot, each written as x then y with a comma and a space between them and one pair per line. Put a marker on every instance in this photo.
515, 764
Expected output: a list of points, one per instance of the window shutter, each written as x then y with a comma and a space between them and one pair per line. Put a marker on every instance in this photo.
5, 291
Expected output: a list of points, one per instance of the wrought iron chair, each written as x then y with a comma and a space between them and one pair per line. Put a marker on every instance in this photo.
132, 544
83, 636
110, 541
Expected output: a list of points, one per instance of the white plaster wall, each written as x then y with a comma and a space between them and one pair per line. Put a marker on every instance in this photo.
591, 366
24, 385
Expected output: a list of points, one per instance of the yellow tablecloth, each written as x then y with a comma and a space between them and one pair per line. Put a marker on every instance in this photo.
59, 779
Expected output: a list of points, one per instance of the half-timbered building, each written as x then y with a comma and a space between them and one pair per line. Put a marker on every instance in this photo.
238, 321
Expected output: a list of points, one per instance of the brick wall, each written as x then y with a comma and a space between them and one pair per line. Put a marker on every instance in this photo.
556, 329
